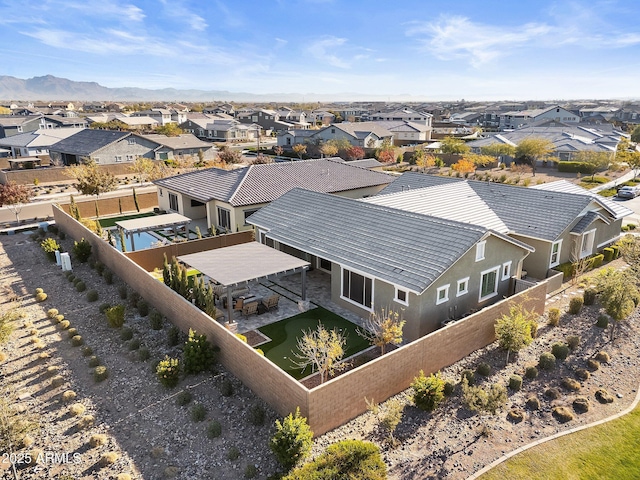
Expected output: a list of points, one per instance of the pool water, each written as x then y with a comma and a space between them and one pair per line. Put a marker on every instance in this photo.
141, 240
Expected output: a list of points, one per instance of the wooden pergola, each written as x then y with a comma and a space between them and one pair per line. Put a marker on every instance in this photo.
155, 222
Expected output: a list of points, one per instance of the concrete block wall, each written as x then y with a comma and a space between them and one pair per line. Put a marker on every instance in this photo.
111, 206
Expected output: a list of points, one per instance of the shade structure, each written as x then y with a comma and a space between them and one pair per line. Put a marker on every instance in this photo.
155, 222
238, 264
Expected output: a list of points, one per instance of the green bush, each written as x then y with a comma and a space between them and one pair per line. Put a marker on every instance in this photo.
603, 396
516, 415
533, 403
168, 371
72, 332
574, 167
575, 305
562, 414
552, 393
484, 369
608, 254
469, 376
134, 344
256, 415
94, 361
251, 471
108, 277
81, 286
568, 269
571, 384
603, 321
560, 350
59, 318
448, 389
143, 308
100, 373
233, 454
134, 298
100, 267
583, 374
82, 250
126, 334
198, 412
346, 459
71, 278
49, 246
92, 296
198, 354
183, 398
589, 296
155, 319
616, 251
214, 429
52, 312
515, 382
64, 324
603, 357
553, 317
76, 340
41, 297
123, 292
292, 440
226, 387
596, 260
144, 354
428, 392
173, 336
104, 307
531, 372
573, 341
593, 364
115, 316
87, 351
547, 361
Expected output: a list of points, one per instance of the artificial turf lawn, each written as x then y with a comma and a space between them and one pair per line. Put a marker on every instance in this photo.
284, 334
610, 450
111, 221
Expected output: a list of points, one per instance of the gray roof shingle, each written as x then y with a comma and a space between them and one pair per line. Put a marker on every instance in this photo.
87, 141
403, 248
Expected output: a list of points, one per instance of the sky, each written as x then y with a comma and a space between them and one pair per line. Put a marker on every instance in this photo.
420, 49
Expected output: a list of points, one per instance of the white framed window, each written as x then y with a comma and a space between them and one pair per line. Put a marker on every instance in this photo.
118, 158
248, 213
402, 296
131, 141
323, 264
506, 270
489, 283
357, 289
556, 247
173, 202
463, 287
587, 243
480, 247
442, 295
224, 218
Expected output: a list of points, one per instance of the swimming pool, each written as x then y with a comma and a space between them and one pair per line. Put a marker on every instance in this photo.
141, 240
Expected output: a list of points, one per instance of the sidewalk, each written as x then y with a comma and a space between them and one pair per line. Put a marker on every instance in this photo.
605, 186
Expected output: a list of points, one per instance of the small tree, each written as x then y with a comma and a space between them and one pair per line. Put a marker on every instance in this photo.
321, 349
428, 392
292, 440
391, 417
15, 196
354, 153
593, 161
82, 250
464, 166
618, 294
299, 149
143, 168
386, 153
328, 149
170, 130
498, 150
454, 145
228, 156
278, 150
531, 149
514, 330
383, 327
90, 179
199, 355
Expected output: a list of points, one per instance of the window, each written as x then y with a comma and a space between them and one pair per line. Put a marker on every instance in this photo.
357, 288
173, 202
402, 296
442, 295
131, 141
480, 250
463, 287
130, 158
118, 158
248, 213
489, 283
333, 130
196, 203
224, 218
555, 253
587, 243
506, 270
161, 192
324, 264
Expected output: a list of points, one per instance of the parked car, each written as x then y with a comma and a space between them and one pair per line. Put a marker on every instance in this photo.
628, 192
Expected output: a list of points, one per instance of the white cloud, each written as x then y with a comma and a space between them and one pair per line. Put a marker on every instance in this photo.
176, 10
324, 49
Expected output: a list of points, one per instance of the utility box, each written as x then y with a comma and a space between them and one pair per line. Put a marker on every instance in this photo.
58, 261
65, 259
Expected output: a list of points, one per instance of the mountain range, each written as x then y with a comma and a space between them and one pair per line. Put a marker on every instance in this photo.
49, 87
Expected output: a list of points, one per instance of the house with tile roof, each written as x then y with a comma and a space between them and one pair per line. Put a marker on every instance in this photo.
227, 198
432, 269
561, 221
36, 143
17, 124
517, 119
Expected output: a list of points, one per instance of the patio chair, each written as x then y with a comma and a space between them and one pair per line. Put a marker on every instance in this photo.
271, 301
250, 309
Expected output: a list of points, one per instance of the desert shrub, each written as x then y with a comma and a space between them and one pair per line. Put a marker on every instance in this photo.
571, 384
483, 400
71, 278
144, 354
533, 403
575, 305
552, 393
100, 267
49, 246
81, 287
92, 295
104, 307
100, 373
72, 332
603, 357
134, 298
168, 371
573, 341
233, 454
87, 351
64, 324
52, 370
76, 281
603, 396
82, 250
428, 392
183, 398
173, 336
37, 291
242, 337
126, 334
76, 409
531, 372
562, 414
516, 415
57, 381
134, 344
515, 382
547, 361
41, 297
143, 308
198, 354
52, 312
115, 316
155, 319
589, 296
226, 387
256, 415
581, 405
68, 396
583, 374
123, 292
123, 476
469, 376
108, 277
603, 321
58, 318
608, 254
251, 471
553, 317
448, 388
198, 412
93, 361
108, 458
214, 429
76, 340
98, 440
86, 421
593, 364
292, 440
560, 350
483, 369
